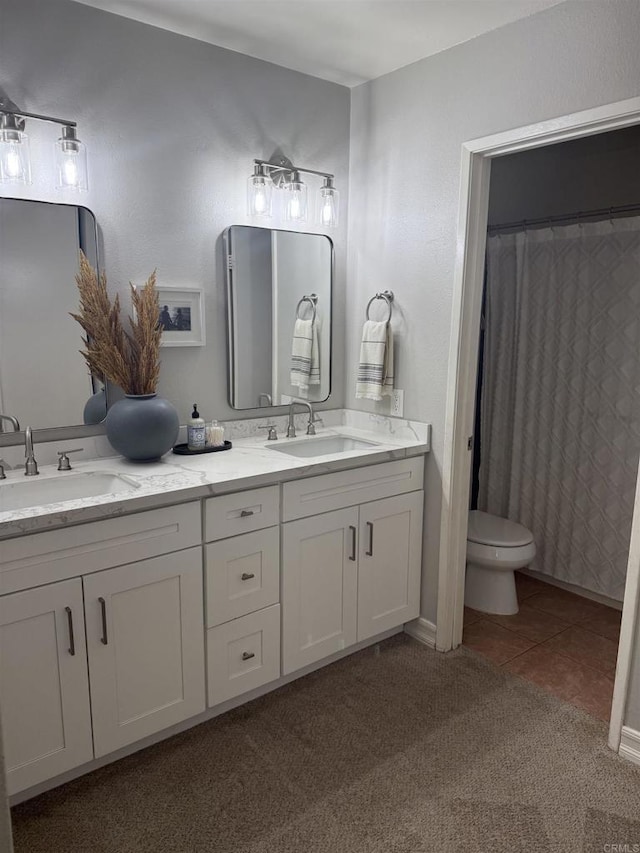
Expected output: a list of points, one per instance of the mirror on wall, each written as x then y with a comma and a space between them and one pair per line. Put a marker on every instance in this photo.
44, 381
275, 278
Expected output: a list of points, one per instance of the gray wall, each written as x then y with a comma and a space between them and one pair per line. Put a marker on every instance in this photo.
172, 125
406, 133
581, 175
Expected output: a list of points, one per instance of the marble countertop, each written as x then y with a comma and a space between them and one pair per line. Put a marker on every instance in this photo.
252, 462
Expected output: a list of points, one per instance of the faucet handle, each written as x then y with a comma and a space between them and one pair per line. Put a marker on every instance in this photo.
273, 431
63, 461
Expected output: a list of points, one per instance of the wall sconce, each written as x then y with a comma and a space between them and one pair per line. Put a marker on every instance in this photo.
285, 178
15, 163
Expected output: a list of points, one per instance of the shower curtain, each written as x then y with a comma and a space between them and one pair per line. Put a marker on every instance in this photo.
560, 437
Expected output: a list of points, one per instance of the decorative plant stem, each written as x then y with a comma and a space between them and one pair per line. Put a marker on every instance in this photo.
130, 359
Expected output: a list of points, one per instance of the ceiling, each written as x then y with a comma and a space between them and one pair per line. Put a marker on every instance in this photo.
345, 41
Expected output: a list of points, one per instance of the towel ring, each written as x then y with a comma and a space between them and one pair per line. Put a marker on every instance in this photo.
387, 295
312, 299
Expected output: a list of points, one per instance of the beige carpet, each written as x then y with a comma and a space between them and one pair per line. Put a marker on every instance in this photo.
401, 751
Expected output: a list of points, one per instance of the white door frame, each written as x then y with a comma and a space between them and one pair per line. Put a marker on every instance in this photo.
463, 365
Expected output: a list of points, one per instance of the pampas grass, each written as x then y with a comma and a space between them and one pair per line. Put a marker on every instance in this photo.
130, 359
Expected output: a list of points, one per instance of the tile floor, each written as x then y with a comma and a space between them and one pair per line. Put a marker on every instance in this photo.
562, 642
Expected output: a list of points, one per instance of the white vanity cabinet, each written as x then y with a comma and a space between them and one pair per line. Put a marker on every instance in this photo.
114, 631
143, 656
352, 573
44, 684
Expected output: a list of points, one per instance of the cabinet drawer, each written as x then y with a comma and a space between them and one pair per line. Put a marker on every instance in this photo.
243, 575
348, 488
58, 554
243, 654
230, 515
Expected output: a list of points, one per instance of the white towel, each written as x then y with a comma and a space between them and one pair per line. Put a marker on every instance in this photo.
375, 372
305, 356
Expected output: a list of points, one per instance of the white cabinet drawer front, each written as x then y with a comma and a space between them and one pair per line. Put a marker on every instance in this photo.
230, 515
243, 654
44, 685
57, 554
145, 640
243, 575
348, 488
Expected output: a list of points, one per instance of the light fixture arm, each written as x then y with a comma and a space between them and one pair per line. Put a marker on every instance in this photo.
22, 114
289, 167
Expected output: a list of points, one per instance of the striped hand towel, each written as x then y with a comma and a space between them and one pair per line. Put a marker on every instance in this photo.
375, 373
305, 356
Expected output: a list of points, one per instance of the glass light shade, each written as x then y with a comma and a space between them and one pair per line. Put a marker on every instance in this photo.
259, 194
295, 208
328, 206
15, 162
71, 162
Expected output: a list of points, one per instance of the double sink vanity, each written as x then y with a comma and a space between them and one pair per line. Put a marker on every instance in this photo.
138, 600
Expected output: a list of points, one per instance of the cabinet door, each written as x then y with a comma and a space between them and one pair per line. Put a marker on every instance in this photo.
44, 683
145, 640
319, 587
389, 563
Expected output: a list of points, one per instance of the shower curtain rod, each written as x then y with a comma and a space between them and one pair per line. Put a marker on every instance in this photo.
578, 216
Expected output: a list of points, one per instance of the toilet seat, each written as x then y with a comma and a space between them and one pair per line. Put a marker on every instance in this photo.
487, 529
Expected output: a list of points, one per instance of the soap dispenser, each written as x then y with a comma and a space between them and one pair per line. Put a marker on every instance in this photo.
196, 437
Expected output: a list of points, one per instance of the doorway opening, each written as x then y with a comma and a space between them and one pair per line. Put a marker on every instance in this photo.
461, 407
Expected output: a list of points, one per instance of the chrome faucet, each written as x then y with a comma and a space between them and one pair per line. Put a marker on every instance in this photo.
13, 421
30, 466
291, 428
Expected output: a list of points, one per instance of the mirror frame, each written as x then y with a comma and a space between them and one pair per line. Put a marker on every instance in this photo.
229, 284
71, 431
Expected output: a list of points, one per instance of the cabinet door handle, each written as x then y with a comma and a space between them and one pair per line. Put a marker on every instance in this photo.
369, 553
245, 513
246, 576
72, 642
103, 610
248, 655
353, 543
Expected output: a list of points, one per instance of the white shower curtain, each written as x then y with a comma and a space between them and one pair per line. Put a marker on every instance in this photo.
560, 434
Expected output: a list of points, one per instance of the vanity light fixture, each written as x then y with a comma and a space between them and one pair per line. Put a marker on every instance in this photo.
15, 165
295, 206
259, 188
284, 178
71, 161
15, 162
328, 204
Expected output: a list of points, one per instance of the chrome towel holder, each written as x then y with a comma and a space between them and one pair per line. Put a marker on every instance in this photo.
312, 299
388, 297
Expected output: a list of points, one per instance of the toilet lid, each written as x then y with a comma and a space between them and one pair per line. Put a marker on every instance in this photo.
486, 529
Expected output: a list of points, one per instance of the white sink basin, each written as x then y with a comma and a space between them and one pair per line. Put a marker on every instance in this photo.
328, 446
37, 491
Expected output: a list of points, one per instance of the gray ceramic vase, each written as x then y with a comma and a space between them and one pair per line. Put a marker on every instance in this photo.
142, 426
95, 410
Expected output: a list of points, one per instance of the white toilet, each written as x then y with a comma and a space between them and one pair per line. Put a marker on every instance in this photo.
495, 548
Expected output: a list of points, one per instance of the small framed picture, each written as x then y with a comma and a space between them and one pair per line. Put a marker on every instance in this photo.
181, 317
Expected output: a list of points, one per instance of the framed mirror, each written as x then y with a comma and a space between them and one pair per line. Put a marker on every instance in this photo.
279, 286
44, 381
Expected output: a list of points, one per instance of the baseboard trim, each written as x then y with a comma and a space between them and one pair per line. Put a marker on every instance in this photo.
630, 745
423, 631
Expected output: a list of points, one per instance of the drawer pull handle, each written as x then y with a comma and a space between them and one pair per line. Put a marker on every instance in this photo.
246, 576
248, 655
353, 543
369, 553
245, 513
72, 642
103, 611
